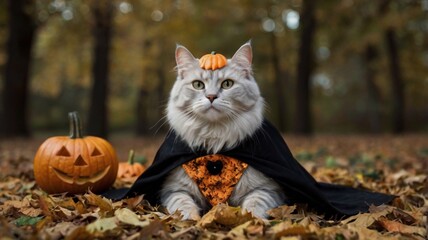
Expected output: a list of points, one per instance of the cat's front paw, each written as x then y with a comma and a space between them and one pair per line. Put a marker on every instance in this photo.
257, 212
255, 208
192, 214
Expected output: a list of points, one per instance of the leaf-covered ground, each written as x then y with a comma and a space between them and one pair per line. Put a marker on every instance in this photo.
395, 165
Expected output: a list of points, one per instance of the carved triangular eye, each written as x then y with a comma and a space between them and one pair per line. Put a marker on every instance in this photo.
80, 161
63, 152
96, 152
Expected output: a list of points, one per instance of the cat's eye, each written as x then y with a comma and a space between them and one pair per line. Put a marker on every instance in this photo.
226, 84
199, 85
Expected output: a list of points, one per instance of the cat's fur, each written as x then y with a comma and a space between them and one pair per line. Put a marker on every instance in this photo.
235, 114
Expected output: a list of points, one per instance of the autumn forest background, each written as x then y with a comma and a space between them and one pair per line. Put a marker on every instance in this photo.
334, 66
346, 81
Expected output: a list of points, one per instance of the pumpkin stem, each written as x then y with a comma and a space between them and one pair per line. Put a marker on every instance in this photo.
131, 156
213, 52
75, 125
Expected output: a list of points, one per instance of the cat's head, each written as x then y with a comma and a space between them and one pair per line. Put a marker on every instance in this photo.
215, 109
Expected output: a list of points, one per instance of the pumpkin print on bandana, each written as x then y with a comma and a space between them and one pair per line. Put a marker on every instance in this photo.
216, 176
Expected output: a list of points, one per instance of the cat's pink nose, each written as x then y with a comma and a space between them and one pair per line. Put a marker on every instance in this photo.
212, 97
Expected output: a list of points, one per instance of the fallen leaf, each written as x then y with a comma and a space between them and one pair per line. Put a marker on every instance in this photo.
66, 202
252, 228
44, 206
364, 220
59, 231
369, 234
231, 216
16, 204
394, 226
295, 230
282, 212
127, 216
27, 221
224, 215
404, 217
80, 233
104, 204
287, 228
156, 228
31, 212
43, 223
102, 225
80, 208
65, 214
191, 232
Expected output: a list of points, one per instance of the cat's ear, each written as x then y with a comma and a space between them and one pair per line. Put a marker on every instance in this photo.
184, 57
244, 56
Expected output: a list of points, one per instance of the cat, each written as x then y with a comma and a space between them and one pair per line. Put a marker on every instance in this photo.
216, 110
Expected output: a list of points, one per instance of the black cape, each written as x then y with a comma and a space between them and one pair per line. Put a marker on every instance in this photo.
267, 152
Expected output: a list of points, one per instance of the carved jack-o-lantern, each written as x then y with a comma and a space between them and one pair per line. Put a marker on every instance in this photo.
75, 163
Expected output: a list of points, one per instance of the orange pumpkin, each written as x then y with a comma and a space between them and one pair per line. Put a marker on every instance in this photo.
130, 169
212, 61
75, 163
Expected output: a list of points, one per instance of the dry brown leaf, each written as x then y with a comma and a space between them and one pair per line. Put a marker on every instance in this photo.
133, 202
32, 212
44, 204
102, 225
156, 228
44, 223
80, 208
369, 234
127, 216
252, 228
59, 231
66, 202
80, 233
282, 212
224, 215
231, 216
403, 216
104, 204
287, 228
65, 213
394, 226
189, 233
16, 204
364, 220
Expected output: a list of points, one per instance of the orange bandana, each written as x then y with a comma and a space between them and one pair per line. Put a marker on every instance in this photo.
216, 176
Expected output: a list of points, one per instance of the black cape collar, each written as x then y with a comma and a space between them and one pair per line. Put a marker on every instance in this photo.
267, 152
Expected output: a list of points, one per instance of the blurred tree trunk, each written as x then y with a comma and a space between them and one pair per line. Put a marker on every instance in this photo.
279, 85
15, 90
397, 84
98, 113
145, 94
142, 127
305, 66
373, 108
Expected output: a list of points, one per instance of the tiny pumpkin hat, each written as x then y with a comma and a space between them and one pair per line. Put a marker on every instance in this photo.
212, 61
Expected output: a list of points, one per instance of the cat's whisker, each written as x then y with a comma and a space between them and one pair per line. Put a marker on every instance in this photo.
165, 121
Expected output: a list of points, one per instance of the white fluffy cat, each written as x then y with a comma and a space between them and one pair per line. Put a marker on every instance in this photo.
216, 110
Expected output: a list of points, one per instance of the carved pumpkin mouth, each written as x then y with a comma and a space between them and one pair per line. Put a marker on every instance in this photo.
80, 180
